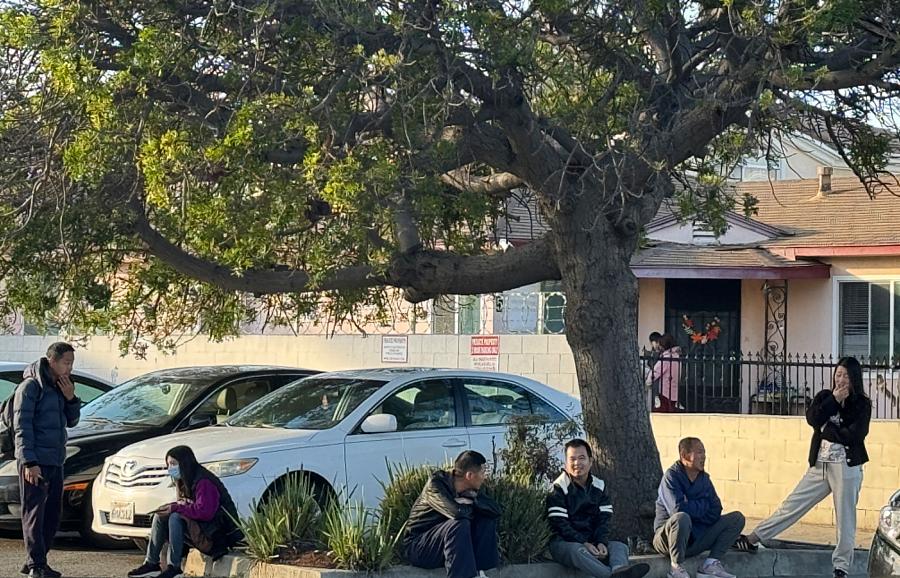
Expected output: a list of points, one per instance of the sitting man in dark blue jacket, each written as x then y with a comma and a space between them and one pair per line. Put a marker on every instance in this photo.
689, 516
579, 511
453, 522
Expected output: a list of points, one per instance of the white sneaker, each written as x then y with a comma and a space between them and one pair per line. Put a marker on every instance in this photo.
678, 572
481, 574
714, 570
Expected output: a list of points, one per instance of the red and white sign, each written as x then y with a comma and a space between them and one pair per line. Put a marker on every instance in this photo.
485, 345
485, 352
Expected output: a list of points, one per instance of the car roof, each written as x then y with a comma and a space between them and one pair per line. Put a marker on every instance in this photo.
19, 366
223, 371
392, 373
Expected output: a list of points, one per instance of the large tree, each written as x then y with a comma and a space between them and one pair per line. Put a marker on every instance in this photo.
173, 165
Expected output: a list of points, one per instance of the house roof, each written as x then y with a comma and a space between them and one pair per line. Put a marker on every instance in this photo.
797, 222
845, 217
674, 261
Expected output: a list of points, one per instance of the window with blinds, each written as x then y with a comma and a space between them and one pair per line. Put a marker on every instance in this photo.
868, 324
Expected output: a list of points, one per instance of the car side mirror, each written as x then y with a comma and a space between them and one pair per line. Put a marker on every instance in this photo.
201, 420
379, 423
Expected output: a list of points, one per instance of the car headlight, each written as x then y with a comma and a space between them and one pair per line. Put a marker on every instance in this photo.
889, 523
71, 451
226, 468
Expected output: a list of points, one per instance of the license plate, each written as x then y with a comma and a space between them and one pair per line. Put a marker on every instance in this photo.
122, 513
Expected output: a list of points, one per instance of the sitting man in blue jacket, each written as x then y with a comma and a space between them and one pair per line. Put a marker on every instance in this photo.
689, 516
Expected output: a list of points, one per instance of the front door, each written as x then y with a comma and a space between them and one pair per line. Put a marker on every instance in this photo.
704, 317
430, 430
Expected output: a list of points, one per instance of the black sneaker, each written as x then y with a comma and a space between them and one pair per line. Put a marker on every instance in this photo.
45, 572
145, 570
631, 571
25, 569
171, 572
838, 573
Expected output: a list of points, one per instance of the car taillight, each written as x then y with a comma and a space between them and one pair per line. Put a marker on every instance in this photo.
889, 523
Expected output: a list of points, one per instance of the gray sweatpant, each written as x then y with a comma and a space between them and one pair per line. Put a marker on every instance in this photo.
575, 555
672, 538
820, 480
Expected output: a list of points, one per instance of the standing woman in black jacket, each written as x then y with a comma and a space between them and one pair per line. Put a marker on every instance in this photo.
840, 421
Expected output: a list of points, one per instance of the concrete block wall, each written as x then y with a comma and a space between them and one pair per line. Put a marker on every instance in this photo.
545, 358
753, 460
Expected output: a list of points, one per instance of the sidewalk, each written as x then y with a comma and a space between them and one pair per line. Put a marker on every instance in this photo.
814, 534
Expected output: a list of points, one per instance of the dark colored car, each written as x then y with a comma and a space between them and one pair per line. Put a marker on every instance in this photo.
884, 555
150, 405
87, 386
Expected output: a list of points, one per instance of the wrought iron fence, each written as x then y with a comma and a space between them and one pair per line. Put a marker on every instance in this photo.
774, 385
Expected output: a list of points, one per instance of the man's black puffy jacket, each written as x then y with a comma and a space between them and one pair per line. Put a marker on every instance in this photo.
437, 504
579, 514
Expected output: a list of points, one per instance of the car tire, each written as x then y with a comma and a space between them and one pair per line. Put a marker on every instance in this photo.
94, 539
323, 492
140, 543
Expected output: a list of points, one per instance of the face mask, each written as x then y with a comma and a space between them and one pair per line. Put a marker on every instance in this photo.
175, 472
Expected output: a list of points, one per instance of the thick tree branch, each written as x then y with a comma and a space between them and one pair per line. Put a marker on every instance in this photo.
421, 274
493, 185
881, 63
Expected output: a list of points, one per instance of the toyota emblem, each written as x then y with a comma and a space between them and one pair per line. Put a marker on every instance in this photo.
130, 465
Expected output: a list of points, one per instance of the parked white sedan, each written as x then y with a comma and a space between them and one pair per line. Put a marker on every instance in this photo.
342, 429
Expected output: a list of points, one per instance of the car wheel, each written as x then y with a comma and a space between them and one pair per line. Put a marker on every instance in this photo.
94, 539
140, 543
323, 492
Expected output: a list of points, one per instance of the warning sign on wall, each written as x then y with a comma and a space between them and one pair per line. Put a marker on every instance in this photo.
485, 352
485, 345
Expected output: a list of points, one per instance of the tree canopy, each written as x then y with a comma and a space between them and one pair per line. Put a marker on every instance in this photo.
171, 166
219, 149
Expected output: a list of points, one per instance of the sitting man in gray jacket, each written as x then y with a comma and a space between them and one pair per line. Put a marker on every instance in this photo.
44, 405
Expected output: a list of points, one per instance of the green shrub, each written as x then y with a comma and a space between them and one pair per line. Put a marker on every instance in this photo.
358, 538
534, 449
404, 485
289, 515
524, 532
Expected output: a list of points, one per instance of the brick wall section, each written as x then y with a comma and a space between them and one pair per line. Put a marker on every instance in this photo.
754, 461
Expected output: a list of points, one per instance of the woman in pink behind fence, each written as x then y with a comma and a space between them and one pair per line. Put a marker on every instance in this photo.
666, 375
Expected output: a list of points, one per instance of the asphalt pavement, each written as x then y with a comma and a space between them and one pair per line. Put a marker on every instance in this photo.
71, 557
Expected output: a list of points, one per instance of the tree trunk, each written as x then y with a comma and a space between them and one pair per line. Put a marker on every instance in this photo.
601, 328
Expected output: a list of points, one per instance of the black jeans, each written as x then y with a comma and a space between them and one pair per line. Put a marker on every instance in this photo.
41, 510
462, 546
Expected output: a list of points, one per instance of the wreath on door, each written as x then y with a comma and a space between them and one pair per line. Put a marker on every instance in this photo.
713, 329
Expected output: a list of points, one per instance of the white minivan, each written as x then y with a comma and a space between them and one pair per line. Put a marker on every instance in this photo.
341, 429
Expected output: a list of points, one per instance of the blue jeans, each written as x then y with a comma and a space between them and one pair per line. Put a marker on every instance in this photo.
463, 547
575, 555
166, 529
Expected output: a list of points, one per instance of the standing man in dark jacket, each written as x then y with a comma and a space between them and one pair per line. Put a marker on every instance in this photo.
44, 405
579, 511
689, 516
453, 522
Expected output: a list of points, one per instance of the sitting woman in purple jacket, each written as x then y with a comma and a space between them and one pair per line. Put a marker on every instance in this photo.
203, 517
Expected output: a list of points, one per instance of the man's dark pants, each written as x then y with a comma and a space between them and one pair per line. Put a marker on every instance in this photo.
41, 510
462, 546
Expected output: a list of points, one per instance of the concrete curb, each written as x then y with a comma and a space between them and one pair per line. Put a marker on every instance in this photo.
764, 564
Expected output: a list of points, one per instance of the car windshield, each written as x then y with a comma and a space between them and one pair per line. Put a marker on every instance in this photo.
311, 403
146, 400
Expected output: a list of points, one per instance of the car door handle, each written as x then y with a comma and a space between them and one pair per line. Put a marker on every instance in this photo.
454, 443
